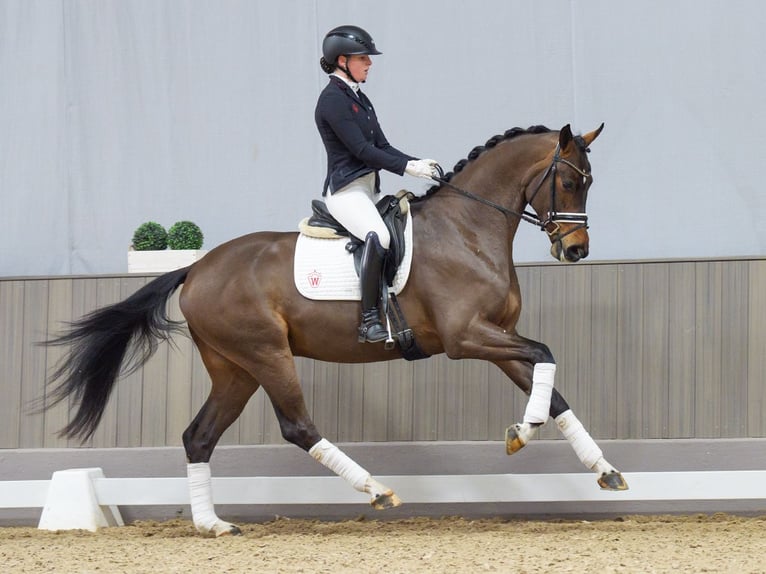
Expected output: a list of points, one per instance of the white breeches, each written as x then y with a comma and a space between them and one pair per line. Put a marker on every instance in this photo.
354, 207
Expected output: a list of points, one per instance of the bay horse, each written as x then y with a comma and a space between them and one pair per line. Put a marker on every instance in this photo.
248, 320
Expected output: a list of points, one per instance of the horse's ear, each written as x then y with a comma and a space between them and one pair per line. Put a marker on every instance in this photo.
565, 137
589, 137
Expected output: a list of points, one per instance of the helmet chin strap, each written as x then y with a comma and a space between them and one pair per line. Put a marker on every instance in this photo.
346, 71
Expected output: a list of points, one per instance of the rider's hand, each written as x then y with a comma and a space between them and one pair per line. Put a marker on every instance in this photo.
421, 168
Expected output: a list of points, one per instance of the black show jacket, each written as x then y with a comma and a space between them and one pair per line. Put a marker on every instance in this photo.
352, 137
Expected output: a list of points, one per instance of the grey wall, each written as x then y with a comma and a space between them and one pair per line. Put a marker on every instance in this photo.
113, 113
645, 350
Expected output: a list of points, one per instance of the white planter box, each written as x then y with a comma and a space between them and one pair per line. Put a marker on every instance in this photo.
162, 261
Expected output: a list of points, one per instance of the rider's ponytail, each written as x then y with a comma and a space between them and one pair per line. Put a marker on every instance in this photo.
327, 68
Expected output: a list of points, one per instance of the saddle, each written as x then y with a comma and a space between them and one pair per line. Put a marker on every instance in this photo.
393, 210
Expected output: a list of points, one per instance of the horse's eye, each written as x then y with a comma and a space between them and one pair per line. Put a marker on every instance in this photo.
568, 184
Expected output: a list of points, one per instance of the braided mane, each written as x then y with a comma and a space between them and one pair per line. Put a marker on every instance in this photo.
479, 149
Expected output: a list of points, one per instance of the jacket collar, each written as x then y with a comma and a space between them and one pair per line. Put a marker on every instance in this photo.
346, 88
353, 85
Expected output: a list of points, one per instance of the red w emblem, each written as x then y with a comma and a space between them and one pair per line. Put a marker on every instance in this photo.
314, 279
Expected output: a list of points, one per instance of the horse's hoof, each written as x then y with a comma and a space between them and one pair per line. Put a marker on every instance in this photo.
229, 530
612, 481
385, 501
513, 441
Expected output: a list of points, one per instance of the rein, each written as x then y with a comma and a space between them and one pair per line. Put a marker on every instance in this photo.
554, 217
524, 215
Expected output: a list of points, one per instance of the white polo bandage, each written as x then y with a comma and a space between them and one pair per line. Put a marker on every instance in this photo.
583, 444
539, 404
201, 496
338, 462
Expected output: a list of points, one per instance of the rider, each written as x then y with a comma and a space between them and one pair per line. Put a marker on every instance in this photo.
356, 151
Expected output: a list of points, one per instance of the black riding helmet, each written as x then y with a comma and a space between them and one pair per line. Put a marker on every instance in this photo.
345, 41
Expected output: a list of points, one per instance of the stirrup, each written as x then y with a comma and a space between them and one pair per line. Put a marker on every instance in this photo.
374, 333
390, 343
371, 330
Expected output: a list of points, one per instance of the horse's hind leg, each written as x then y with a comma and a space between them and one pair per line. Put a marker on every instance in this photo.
232, 388
586, 449
297, 427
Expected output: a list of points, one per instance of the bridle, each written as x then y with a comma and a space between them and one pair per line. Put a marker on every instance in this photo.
553, 218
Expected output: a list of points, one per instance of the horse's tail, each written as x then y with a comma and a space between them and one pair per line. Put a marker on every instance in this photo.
126, 333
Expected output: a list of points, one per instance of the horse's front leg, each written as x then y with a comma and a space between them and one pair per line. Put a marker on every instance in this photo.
531, 366
503, 346
540, 391
586, 449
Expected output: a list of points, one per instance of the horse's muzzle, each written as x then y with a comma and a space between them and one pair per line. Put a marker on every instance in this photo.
574, 253
569, 249
568, 234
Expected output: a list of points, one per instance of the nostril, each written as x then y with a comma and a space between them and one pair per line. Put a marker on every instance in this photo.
576, 252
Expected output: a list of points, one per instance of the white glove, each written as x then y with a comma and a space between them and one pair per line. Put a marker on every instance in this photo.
421, 168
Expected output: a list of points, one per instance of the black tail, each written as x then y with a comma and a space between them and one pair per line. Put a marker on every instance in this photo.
101, 342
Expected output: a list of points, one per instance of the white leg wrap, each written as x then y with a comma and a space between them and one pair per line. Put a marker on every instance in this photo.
603, 467
584, 446
539, 404
338, 462
201, 495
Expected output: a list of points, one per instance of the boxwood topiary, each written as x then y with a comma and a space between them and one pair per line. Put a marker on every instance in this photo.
185, 235
150, 236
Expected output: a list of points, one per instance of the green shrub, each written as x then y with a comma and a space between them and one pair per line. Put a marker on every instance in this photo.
150, 236
185, 235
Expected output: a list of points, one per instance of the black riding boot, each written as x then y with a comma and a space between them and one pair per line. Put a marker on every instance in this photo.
371, 330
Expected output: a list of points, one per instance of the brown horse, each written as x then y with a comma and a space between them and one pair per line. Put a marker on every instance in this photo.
248, 320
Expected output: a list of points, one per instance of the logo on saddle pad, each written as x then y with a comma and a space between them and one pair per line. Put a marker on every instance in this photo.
324, 270
315, 277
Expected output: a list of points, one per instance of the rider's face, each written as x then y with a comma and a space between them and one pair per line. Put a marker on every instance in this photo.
358, 65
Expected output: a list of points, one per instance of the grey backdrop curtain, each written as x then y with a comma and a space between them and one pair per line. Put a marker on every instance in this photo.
117, 112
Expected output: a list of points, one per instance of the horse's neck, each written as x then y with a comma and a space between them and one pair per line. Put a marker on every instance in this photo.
466, 225
502, 187
500, 176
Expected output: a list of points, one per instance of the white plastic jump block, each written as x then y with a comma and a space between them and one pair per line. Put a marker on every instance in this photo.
72, 503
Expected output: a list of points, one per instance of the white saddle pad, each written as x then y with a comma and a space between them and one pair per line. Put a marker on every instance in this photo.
324, 270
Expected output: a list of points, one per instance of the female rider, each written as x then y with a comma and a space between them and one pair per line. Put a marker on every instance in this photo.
356, 151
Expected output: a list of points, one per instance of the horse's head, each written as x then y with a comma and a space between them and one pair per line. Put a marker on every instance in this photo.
559, 195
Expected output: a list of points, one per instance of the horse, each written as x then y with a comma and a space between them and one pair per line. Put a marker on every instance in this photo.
248, 320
